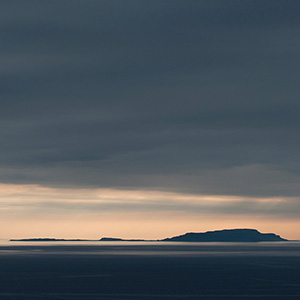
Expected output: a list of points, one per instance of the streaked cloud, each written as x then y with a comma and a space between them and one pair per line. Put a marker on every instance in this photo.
34, 199
158, 95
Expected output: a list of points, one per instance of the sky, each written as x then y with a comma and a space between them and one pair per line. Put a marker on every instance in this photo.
147, 119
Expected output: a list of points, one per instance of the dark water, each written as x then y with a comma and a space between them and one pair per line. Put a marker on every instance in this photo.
140, 271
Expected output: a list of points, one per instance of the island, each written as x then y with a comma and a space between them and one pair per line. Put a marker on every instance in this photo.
50, 240
110, 239
225, 235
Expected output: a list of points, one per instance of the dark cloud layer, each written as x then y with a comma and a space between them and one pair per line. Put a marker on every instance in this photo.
196, 96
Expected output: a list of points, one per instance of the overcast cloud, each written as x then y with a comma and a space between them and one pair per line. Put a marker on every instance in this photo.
187, 96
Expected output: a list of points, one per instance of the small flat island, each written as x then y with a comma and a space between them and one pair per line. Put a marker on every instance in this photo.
50, 240
226, 235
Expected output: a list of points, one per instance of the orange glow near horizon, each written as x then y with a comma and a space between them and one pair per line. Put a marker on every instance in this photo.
36, 211
142, 226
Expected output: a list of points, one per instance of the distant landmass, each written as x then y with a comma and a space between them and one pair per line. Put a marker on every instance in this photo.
109, 239
226, 235
49, 240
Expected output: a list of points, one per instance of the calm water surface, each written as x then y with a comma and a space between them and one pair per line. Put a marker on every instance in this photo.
140, 270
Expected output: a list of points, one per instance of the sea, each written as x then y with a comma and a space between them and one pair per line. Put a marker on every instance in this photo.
149, 270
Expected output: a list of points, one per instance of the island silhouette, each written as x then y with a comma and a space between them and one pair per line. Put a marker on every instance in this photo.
225, 235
